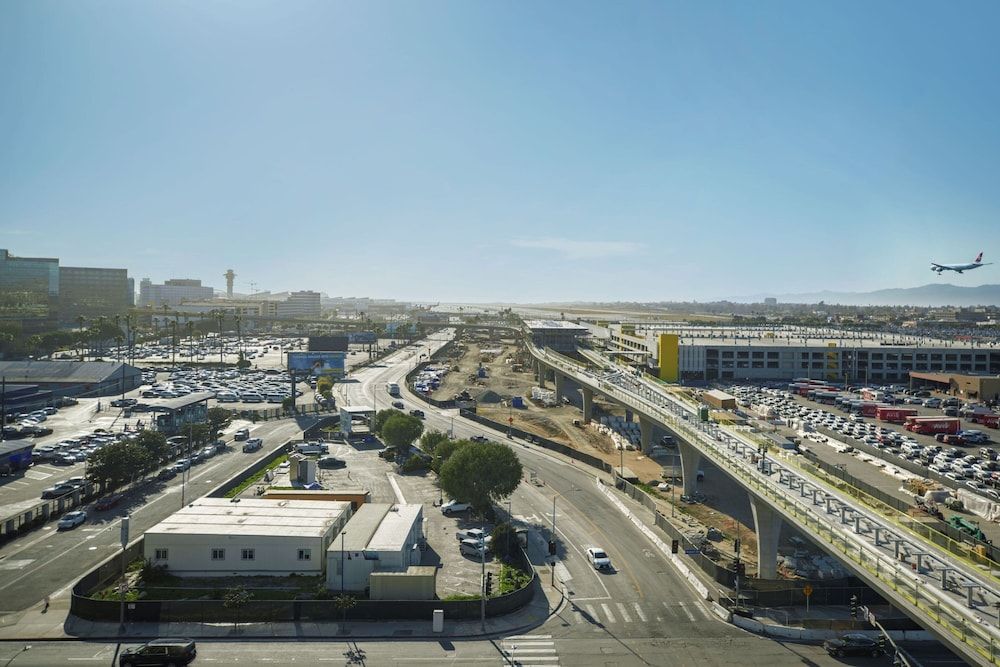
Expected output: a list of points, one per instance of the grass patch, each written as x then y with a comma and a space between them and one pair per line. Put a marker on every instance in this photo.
256, 477
648, 490
512, 579
461, 596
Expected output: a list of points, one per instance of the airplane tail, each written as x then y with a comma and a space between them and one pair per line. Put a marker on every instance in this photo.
979, 258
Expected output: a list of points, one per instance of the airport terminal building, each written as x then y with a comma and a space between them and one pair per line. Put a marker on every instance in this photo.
682, 353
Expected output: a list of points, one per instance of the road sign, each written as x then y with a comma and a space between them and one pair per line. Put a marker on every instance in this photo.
691, 551
807, 590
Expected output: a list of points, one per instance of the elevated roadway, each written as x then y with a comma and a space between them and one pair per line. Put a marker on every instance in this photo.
946, 587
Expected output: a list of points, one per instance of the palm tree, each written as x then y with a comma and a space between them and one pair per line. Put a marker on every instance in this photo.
81, 337
173, 352
190, 328
219, 316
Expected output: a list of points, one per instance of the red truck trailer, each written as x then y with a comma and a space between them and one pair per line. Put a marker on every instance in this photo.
933, 425
895, 415
993, 421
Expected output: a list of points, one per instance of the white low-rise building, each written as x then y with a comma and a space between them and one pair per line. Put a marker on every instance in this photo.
216, 536
378, 538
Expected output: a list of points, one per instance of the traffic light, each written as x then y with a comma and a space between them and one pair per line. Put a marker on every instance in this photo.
675, 546
489, 583
854, 606
552, 547
741, 568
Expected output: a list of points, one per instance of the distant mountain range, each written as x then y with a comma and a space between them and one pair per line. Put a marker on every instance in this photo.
925, 295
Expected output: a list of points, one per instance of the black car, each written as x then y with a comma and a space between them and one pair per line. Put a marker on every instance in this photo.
852, 644
417, 413
331, 462
159, 652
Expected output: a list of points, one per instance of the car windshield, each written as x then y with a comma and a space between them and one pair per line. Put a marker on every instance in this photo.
600, 554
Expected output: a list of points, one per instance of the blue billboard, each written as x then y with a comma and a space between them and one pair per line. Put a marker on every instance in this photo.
317, 363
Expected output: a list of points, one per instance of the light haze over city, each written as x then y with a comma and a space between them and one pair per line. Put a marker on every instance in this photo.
503, 151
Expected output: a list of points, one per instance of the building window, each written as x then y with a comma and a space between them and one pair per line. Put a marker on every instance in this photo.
218, 554
160, 554
247, 554
305, 554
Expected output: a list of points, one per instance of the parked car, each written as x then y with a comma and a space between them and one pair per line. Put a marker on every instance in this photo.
472, 548
71, 520
477, 534
159, 652
167, 473
454, 507
852, 644
57, 490
331, 462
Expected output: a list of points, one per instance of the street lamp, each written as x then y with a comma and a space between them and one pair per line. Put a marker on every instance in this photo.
342, 533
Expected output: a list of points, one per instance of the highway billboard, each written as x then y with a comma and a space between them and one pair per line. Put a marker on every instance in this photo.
317, 363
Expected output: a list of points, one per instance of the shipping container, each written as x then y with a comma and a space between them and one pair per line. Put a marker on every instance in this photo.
895, 415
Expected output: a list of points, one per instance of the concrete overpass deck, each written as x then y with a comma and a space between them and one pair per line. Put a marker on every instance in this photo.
946, 587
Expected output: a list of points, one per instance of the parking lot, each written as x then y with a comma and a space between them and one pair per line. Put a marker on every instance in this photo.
457, 574
963, 460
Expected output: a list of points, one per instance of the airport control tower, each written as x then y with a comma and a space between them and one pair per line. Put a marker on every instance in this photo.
230, 277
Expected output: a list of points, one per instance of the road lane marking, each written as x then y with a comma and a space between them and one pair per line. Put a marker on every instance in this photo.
638, 611
686, 611
607, 612
624, 613
593, 614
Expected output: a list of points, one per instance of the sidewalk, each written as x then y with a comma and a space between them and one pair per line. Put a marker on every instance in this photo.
57, 625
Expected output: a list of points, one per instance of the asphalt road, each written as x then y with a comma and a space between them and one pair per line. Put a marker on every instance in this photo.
642, 612
46, 561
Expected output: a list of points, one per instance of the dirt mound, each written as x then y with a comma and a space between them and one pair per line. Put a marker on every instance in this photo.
489, 396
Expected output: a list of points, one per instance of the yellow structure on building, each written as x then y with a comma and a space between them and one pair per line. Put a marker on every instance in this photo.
668, 352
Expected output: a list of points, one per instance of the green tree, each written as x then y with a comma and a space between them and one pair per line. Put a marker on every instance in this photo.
324, 386
430, 440
153, 443
287, 403
236, 598
381, 417
482, 474
444, 451
504, 543
344, 603
218, 419
401, 431
117, 463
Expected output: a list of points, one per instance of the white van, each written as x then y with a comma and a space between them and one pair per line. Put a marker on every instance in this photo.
312, 448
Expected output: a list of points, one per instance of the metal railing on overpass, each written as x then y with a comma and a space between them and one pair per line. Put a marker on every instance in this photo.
957, 598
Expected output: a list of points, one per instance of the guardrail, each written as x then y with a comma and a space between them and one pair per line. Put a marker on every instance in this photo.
963, 626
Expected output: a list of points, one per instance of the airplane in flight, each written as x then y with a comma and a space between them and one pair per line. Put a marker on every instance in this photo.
959, 268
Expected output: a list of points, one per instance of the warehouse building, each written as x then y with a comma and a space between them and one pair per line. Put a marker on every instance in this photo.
682, 353
969, 387
249, 536
378, 538
73, 378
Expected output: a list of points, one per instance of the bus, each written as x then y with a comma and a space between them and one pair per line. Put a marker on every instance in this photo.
393, 389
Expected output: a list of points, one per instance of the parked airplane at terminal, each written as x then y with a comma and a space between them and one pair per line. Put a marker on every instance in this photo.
958, 268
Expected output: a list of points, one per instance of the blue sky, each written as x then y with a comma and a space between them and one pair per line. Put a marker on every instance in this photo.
514, 151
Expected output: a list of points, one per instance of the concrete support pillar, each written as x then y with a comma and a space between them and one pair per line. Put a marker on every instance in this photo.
588, 403
767, 523
690, 460
560, 382
646, 435
542, 372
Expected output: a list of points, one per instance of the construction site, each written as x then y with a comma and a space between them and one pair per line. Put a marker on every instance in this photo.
495, 373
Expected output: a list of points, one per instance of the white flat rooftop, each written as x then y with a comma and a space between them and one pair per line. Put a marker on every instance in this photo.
254, 517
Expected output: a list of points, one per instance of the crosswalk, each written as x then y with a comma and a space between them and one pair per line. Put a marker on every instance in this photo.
529, 651
607, 613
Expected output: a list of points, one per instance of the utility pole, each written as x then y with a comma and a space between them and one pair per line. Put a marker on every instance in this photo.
124, 586
482, 581
3, 405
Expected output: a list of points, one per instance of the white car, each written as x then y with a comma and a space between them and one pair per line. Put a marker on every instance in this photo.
71, 520
598, 558
454, 507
